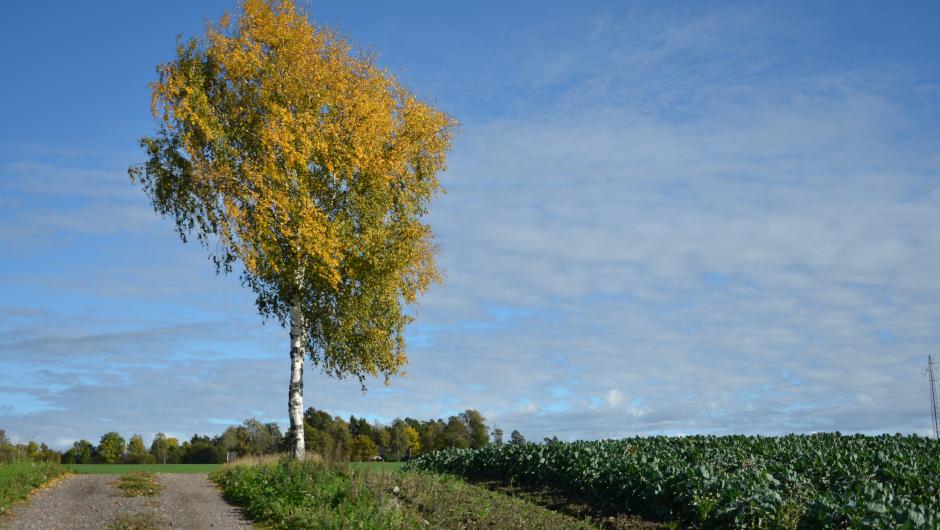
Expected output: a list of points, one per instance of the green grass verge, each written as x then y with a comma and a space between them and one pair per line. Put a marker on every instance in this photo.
122, 469
290, 495
20, 477
446, 501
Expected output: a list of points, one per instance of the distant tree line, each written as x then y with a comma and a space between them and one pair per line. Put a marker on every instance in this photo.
31, 450
250, 438
329, 436
358, 440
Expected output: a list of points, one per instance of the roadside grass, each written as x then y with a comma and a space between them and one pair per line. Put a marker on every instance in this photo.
558, 500
20, 477
121, 469
290, 495
136, 521
140, 483
452, 502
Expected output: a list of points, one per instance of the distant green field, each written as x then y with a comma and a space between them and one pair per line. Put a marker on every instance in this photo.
390, 467
120, 469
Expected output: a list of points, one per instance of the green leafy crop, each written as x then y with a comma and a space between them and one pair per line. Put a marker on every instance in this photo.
810, 481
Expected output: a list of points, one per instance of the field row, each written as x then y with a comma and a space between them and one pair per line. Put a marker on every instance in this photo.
818, 481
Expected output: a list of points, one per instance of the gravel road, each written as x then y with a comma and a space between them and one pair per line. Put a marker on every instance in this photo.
189, 501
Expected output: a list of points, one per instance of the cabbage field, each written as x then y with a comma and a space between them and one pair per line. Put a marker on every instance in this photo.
806, 481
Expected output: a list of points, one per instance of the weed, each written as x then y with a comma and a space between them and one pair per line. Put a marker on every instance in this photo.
136, 521
141, 483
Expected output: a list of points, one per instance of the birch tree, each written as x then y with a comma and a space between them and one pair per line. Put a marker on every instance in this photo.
286, 149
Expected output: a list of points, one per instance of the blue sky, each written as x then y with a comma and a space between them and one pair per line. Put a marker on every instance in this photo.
664, 217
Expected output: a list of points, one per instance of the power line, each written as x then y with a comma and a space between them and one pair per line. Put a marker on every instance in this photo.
855, 372
794, 401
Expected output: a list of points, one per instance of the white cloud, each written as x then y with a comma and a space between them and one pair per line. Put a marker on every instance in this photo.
527, 408
614, 397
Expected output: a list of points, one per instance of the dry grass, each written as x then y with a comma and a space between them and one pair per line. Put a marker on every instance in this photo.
271, 459
261, 460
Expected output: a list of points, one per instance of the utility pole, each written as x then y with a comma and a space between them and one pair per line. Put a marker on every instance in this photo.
934, 408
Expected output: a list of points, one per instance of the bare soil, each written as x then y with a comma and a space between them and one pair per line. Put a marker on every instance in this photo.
189, 501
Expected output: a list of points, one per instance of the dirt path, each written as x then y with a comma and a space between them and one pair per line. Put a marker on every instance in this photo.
189, 501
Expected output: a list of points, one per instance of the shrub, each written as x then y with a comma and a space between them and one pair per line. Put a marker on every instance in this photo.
143, 458
204, 453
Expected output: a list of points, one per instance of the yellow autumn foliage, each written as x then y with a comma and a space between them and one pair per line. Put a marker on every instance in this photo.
414, 441
283, 146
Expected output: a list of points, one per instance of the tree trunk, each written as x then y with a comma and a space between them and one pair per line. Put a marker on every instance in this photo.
295, 398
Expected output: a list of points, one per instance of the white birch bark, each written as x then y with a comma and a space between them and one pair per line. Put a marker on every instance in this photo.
295, 398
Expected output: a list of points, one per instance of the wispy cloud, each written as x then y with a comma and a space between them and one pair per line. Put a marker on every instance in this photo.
658, 221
